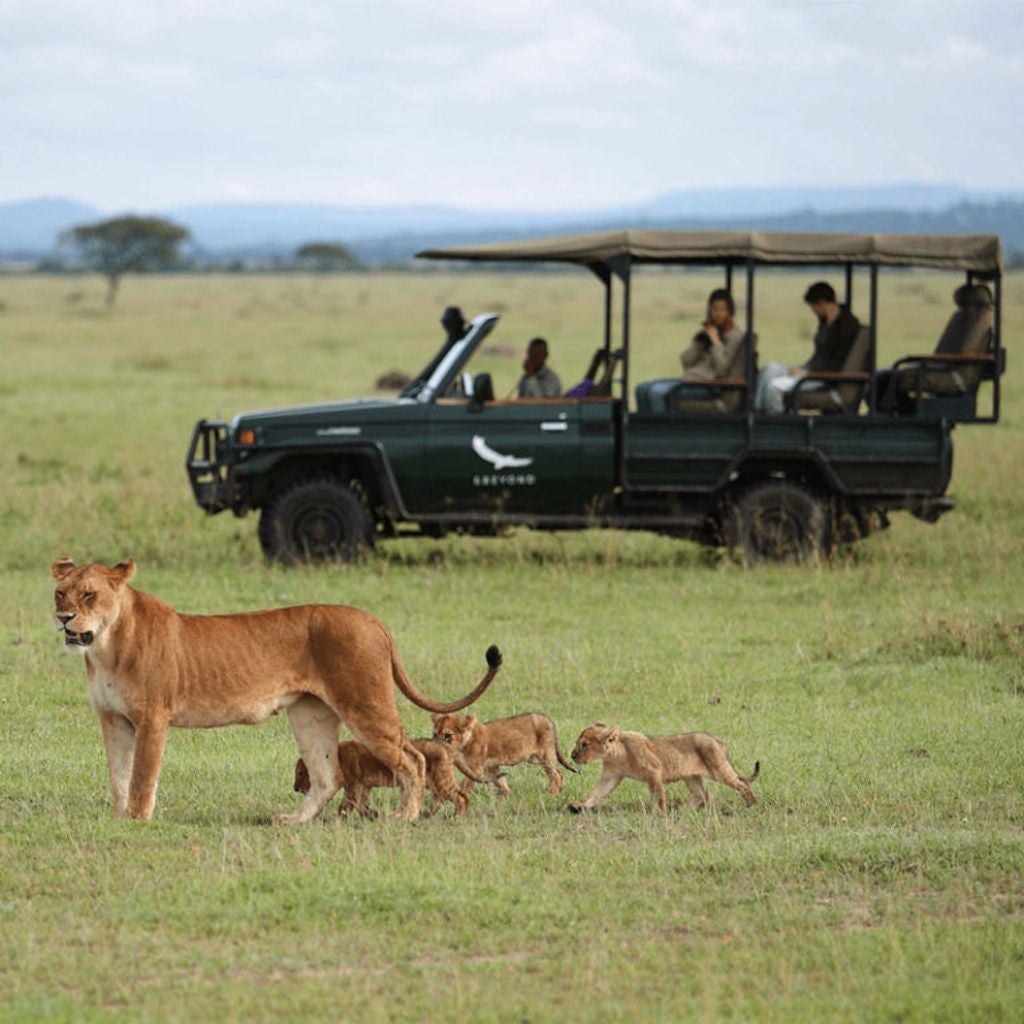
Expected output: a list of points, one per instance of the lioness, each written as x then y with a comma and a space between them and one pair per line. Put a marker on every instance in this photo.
657, 760
484, 747
149, 668
360, 773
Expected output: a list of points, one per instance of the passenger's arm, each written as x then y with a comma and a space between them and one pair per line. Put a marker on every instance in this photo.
692, 355
722, 353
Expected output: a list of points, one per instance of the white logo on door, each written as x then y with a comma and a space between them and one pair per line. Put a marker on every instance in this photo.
497, 459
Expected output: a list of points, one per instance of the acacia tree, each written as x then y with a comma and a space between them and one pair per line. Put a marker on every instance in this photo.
326, 256
124, 245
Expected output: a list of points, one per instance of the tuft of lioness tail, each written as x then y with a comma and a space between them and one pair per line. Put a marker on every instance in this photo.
754, 774
493, 656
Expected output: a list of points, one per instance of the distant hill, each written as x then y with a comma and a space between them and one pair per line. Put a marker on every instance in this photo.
31, 227
221, 231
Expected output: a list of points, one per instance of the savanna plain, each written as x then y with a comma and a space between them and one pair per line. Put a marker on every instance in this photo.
880, 877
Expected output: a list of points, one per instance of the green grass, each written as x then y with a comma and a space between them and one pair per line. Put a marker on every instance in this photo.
881, 877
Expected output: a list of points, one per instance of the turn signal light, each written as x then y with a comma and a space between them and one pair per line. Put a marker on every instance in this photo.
246, 437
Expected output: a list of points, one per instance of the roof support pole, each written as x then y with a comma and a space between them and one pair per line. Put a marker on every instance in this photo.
873, 351
626, 280
728, 278
608, 315
849, 286
622, 267
603, 274
751, 368
997, 342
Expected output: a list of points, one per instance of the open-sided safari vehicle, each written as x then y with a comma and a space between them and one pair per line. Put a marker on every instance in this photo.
446, 455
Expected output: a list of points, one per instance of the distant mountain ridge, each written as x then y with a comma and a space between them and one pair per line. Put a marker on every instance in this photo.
31, 228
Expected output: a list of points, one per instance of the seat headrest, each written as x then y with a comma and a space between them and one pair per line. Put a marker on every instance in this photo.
971, 296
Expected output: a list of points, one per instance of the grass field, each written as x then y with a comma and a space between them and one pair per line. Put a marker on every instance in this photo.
881, 876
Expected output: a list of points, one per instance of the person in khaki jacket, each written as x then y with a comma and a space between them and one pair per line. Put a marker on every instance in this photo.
711, 352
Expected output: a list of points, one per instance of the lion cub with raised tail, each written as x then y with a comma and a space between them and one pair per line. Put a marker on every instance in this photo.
359, 772
486, 747
658, 760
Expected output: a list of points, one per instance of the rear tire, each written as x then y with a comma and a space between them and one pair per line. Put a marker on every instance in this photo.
779, 521
316, 521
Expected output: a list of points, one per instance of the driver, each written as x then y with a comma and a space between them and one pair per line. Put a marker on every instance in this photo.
538, 379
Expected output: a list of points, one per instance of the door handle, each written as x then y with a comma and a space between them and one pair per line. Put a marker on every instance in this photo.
554, 425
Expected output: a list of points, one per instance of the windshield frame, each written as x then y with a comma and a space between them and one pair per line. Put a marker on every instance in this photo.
452, 360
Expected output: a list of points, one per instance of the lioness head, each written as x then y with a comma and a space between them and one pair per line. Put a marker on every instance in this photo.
87, 599
453, 730
595, 742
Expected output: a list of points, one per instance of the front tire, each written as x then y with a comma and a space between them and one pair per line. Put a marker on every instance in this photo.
779, 521
316, 521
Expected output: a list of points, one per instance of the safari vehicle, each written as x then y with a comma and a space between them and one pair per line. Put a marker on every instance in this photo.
446, 455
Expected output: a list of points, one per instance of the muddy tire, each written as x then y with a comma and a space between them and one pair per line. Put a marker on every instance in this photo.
316, 521
779, 521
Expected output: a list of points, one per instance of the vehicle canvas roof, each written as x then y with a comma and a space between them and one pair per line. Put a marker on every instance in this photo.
979, 253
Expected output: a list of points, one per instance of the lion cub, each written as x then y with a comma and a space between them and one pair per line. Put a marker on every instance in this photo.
484, 747
359, 772
657, 760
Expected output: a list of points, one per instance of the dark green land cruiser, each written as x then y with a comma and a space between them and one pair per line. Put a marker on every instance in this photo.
332, 479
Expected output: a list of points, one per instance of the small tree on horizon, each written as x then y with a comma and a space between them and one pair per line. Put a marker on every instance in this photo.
326, 256
124, 245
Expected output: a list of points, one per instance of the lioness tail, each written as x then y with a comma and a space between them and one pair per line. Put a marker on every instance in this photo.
405, 684
757, 771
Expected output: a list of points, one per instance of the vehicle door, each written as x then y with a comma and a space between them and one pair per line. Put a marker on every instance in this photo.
513, 455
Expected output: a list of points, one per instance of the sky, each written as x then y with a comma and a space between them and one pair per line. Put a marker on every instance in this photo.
522, 104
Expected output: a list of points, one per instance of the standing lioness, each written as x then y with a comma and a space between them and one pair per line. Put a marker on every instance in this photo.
657, 760
149, 668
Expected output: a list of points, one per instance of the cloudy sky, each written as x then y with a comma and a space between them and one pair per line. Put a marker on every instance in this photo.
535, 104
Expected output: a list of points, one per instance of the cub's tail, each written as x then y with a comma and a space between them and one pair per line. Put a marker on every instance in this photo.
469, 773
561, 757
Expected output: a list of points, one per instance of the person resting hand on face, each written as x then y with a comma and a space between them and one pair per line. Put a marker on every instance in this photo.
538, 380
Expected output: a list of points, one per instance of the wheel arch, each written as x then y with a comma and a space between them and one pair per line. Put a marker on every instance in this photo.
808, 469
366, 465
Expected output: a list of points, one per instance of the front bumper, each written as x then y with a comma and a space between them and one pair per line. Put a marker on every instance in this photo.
208, 470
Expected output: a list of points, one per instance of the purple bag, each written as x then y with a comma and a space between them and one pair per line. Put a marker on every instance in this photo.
580, 390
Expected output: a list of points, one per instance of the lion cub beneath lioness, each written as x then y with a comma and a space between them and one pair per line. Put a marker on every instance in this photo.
486, 747
359, 772
657, 760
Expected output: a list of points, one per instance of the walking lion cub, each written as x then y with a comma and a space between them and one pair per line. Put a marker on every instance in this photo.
657, 760
359, 772
486, 747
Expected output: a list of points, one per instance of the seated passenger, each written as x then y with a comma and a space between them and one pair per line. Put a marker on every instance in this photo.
711, 352
837, 331
538, 380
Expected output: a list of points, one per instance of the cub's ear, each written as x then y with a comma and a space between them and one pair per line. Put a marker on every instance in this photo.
124, 570
62, 567
613, 735
436, 719
469, 721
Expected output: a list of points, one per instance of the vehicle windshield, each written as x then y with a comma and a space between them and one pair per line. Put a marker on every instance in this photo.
453, 354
